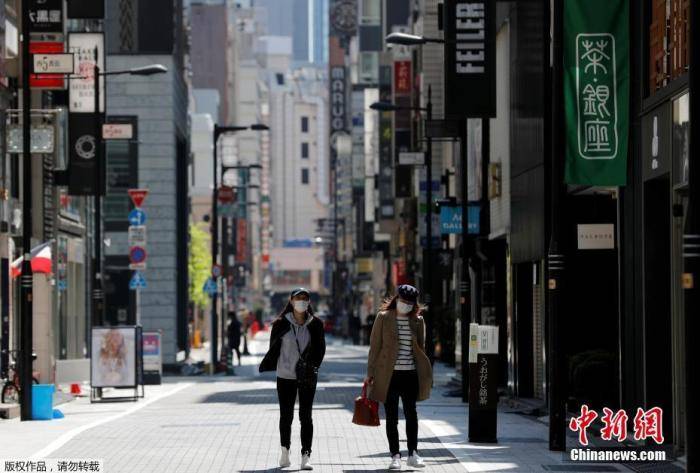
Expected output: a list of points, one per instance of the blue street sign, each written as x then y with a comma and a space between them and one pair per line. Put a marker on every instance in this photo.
451, 219
137, 217
137, 281
210, 287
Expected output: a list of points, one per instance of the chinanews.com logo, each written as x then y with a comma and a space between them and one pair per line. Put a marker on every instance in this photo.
647, 433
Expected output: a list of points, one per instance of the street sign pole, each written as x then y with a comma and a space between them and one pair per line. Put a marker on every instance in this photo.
26, 323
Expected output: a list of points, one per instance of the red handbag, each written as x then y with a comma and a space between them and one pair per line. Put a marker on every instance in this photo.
366, 410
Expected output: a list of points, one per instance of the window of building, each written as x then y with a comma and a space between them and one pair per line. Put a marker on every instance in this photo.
370, 12
305, 151
304, 124
669, 30
304, 176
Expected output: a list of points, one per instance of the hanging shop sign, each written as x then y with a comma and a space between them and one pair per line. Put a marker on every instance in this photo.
53, 63
470, 59
599, 236
596, 91
82, 87
42, 77
451, 219
46, 16
84, 165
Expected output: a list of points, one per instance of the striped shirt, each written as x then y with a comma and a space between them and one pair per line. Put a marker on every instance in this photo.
405, 360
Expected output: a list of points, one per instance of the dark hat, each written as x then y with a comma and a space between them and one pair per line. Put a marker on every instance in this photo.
408, 293
300, 290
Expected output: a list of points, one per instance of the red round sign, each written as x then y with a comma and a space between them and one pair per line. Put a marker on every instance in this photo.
137, 254
226, 194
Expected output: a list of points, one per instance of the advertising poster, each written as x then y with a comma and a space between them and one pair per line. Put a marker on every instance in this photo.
113, 362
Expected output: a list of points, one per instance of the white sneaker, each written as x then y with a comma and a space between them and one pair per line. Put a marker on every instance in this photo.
395, 462
284, 458
415, 461
306, 462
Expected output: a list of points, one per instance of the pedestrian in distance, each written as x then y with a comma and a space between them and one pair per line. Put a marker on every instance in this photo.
297, 348
398, 367
234, 336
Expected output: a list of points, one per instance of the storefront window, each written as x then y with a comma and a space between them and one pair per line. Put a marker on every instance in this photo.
681, 139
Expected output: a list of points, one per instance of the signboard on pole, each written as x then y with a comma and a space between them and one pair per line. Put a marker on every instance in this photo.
137, 235
225, 194
137, 217
82, 88
137, 281
46, 16
137, 197
596, 91
470, 58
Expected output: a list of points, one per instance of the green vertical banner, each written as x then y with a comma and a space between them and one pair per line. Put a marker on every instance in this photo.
596, 91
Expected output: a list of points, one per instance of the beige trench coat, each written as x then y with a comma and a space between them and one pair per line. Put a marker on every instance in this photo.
384, 349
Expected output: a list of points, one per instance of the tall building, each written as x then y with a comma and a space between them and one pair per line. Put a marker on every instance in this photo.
305, 21
210, 52
140, 33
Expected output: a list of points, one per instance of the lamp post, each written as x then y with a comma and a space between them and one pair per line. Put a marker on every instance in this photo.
218, 131
26, 306
427, 263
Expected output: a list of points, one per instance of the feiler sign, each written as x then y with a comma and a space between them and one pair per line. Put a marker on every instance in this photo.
470, 59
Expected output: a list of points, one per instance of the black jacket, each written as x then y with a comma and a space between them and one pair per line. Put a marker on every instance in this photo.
314, 351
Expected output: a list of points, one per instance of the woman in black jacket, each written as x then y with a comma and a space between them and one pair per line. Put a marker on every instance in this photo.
295, 334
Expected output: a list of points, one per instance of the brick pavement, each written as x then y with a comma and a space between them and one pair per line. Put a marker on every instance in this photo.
229, 424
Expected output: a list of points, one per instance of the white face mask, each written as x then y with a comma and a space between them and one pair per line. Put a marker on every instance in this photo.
300, 306
403, 308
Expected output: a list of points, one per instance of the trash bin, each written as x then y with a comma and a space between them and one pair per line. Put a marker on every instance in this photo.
42, 401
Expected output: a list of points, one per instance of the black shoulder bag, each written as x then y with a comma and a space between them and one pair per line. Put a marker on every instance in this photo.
307, 373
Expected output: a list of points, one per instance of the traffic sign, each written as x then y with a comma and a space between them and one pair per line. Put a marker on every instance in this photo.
137, 266
56, 63
137, 281
137, 217
226, 194
210, 287
137, 254
119, 131
137, 235
137, 196
216, 271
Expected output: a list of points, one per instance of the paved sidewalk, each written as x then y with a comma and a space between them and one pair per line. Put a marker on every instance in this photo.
229, 424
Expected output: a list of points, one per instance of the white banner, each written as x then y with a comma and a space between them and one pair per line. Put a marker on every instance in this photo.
82, 84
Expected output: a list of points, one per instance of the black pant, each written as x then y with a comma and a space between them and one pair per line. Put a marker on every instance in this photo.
403, 384
235, 350
287, 394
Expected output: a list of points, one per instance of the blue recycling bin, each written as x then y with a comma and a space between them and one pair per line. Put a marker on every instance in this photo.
42, 401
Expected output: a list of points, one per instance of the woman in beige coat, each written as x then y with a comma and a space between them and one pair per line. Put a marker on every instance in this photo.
399, 368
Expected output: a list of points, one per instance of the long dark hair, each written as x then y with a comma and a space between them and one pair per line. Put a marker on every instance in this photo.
290, 308
390, 304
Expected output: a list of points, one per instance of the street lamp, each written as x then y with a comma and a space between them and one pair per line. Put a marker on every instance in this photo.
405, 39
218, 131
427, 263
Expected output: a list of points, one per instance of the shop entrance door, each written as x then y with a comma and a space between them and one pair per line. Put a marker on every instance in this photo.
680, 207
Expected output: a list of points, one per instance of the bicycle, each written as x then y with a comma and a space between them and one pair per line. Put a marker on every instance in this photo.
11, 389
